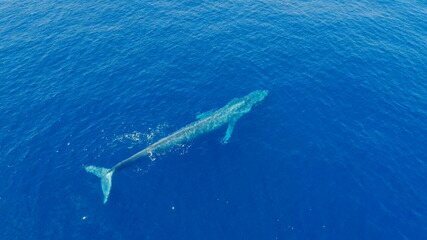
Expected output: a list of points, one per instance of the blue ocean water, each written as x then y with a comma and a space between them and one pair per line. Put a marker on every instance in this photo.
337, 150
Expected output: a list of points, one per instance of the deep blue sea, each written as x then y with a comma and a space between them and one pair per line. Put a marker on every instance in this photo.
338, 150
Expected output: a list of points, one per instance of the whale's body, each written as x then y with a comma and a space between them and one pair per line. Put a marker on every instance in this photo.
207, 122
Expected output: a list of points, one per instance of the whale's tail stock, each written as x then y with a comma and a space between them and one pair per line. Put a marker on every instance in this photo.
105, 175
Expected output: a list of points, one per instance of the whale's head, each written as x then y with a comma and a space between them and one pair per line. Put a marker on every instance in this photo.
240, 106
256, 97
251, 100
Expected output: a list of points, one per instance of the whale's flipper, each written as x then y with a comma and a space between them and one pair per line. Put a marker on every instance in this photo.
105, 175
228, 133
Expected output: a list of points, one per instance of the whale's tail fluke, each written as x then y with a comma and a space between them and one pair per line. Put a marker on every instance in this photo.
105, 175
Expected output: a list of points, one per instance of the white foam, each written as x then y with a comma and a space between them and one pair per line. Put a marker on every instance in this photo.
136, 137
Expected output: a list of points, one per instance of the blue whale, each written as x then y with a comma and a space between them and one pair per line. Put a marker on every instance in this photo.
206, 122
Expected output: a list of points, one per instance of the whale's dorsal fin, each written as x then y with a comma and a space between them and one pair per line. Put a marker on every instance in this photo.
204, 114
